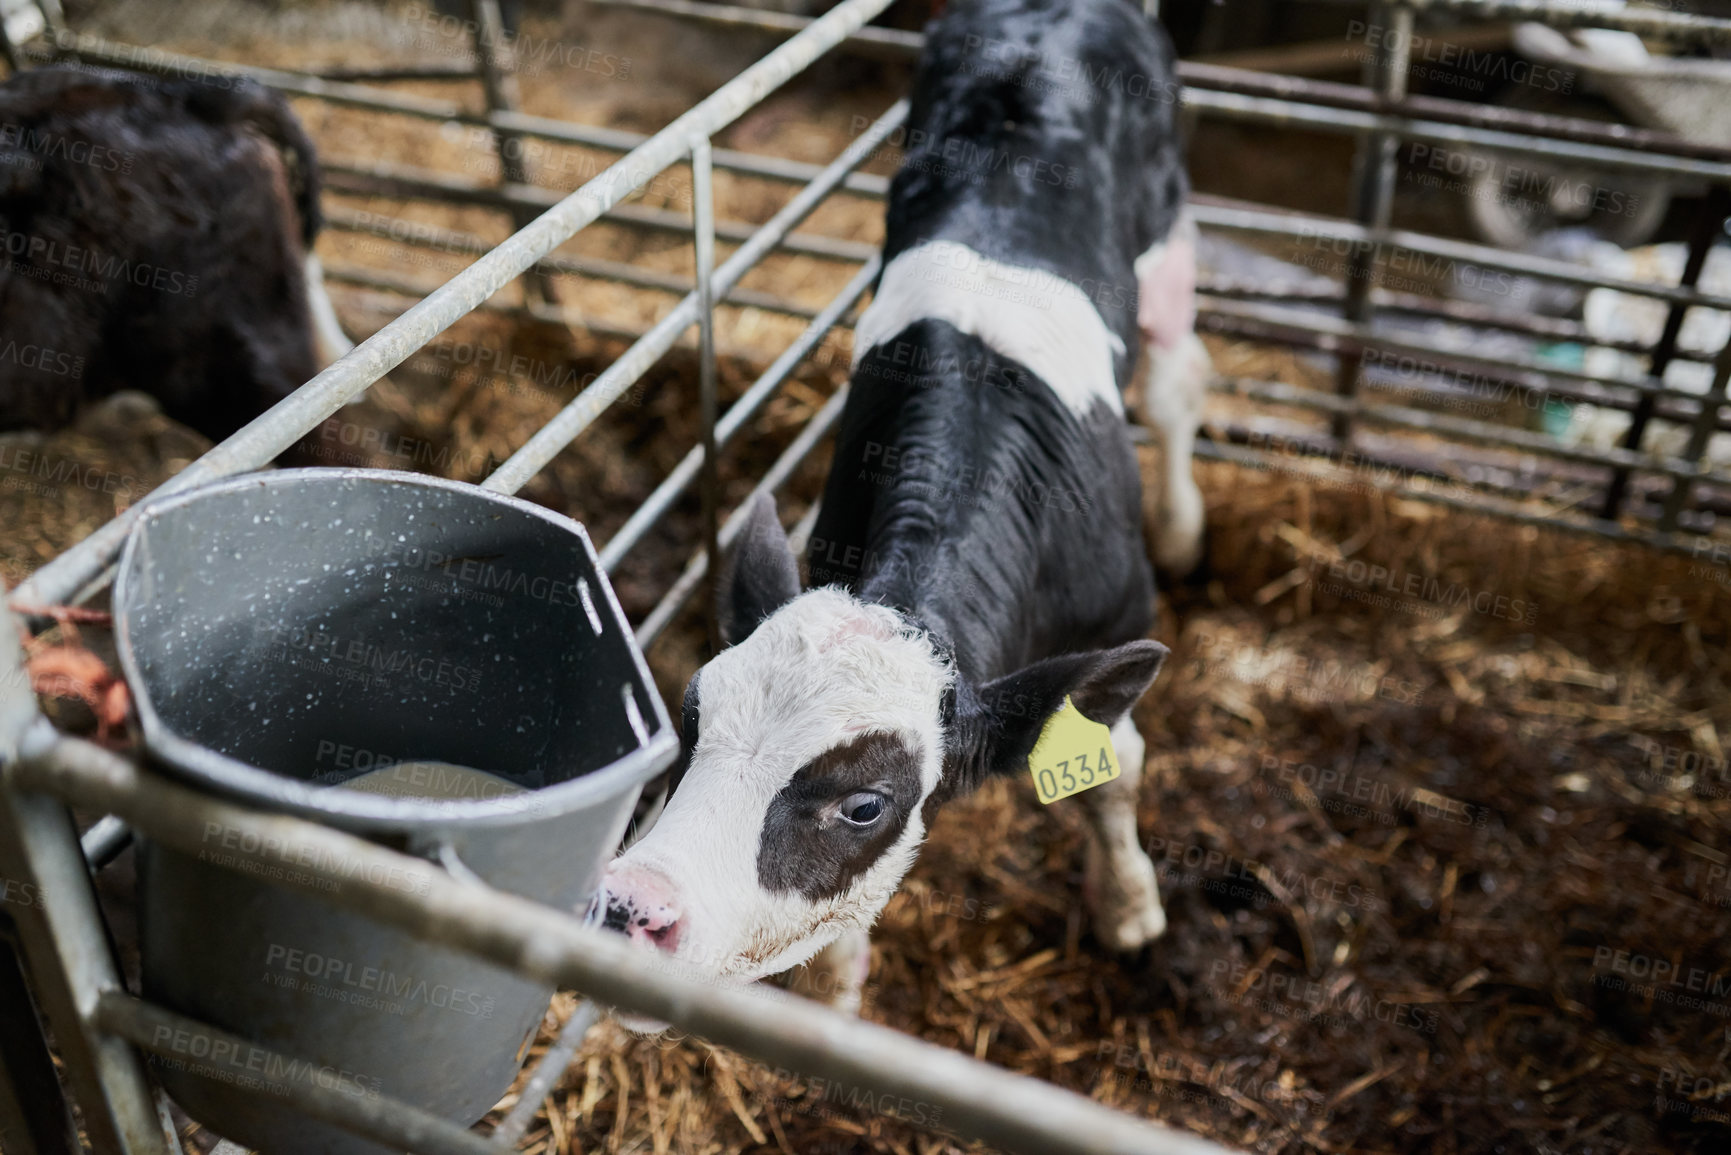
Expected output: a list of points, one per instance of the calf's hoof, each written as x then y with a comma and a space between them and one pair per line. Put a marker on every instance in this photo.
1179, 532
1125, 906
1131, 930
837, 974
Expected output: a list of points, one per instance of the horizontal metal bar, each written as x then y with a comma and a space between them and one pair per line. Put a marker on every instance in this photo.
1353, 335
698, 567
1511, 474
551, 438
557, 315
1538, 325
457, 243
656, 505
415, 291
1289, 114
136, 58
385, 179
1211, 88
427, 108
1498, 478
648, 513
892, 42
1509, 511
1434, 378
289, 420
1196, 74
429, 70
1647, 21
1214, 213
1651, 22
389, 1121
551, 946
1464, 429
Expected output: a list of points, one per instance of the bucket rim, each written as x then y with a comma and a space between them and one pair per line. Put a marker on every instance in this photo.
245, 782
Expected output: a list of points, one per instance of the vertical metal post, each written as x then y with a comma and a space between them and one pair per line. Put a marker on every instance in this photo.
1373, 170
53, 17
1708, 228
547, 1073
495, 64
1706, 424
34, 1117
165, 1116
709, 484
14, 58
66, 948
54, 21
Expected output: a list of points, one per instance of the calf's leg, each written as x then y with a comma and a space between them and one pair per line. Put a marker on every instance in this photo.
1174, 374
837, 974
1122, 893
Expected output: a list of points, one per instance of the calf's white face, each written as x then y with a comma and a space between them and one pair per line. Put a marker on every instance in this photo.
817, 739
814, 743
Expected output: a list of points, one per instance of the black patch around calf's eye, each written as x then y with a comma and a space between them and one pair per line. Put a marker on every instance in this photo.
688, 711
807, 846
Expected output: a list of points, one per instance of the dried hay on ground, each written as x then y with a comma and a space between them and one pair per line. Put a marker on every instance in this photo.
1403, 834
1415, 952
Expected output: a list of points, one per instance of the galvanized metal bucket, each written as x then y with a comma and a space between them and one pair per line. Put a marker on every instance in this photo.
286, 632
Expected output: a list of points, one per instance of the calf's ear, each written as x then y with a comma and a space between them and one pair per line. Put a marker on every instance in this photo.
995, 727
760, 574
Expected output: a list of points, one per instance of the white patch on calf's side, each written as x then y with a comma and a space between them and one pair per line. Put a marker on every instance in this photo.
1028, 315
805, 681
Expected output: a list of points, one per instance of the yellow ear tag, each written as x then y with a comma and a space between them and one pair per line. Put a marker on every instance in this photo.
1073, 754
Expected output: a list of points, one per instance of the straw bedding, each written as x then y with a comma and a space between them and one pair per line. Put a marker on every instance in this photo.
1433, 797
1420, 951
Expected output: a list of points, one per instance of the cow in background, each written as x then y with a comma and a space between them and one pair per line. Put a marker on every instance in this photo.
156, 235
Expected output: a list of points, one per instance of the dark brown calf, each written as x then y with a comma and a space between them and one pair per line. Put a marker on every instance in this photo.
155, 235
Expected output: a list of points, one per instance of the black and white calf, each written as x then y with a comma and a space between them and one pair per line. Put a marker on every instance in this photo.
979, 552
158, 236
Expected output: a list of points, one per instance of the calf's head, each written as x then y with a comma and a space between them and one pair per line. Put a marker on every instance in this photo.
816, 745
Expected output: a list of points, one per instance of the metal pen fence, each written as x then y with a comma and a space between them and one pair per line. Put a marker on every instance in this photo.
1489, 467
1688, 497
99, 1029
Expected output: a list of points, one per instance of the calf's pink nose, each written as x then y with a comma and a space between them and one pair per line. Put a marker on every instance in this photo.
641, 904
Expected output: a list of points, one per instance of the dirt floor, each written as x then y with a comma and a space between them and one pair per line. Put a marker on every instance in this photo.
1441, 804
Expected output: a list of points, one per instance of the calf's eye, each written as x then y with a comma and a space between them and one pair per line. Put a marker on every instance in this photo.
862, 808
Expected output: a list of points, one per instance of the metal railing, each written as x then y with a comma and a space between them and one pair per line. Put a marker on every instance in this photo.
1381, 114
534, 941
100, 1029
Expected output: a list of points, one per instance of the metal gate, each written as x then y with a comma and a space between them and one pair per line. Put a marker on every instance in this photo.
1666, 501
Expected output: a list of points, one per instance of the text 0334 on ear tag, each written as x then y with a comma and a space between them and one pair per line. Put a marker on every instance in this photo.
1073, 754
